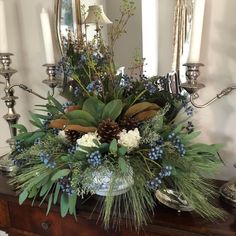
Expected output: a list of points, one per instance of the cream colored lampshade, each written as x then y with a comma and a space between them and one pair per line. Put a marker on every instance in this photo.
96, 15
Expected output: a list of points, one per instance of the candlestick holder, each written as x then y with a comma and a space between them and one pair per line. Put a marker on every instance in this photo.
10, 99
228, 190
192, 85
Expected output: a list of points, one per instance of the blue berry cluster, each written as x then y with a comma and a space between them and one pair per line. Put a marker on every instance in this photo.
63, 67
95, 158
19, 146
176, 141
126, 83
37, 141
155, 183
66, 185
95, 86
55, 131
46, 159
156, 153
77, 91
66, 105
190, 127
46, 122
71, 150
150, 87
188, 109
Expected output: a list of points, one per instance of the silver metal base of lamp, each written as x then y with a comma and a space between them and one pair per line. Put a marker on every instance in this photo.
228, 192
6, 164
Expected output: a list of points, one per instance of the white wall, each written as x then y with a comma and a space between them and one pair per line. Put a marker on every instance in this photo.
25, 41
218, 53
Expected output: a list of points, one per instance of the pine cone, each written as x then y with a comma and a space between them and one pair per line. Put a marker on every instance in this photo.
108, 130
128, 123
72, 136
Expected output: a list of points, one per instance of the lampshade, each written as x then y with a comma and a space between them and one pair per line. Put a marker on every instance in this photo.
96, 15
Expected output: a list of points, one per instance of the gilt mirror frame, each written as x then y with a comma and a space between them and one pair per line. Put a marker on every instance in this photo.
77, 22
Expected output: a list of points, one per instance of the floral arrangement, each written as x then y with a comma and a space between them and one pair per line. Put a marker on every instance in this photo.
117, 137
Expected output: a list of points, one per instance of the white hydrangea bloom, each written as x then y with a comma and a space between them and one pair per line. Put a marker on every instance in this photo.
129, 139
62, 134
87, 140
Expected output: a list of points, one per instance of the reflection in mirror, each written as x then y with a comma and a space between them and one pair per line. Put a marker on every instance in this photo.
182, 33
68, 19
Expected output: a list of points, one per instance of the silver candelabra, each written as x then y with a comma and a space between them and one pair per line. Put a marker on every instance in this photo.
12, 116
228, 190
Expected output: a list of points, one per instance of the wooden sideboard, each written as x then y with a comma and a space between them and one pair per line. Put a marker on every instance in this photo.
24, 220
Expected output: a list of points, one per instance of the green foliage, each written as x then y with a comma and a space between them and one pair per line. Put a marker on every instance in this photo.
112, 109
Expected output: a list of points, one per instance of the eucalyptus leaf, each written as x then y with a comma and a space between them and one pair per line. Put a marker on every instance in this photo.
123, 165
113, 147
122, 151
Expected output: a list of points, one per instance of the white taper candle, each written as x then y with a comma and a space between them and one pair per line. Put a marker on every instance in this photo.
196, 35
3, 29
47, 37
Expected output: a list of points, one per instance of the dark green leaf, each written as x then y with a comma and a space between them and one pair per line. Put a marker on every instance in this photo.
60, 173
113, 147
21, 128
82, 115
64, 204
23, 196
56, 193
35, 120
56, 103
94, 107
35, 135
113, 109
49, 203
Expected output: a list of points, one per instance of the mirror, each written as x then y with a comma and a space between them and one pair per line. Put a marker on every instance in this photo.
149, 31
68, 19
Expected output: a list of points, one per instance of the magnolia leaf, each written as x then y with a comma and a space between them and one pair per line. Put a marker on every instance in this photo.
35, 135
56, 193
81, 122
72, 203
83, 115
64, 204
80, 128
140, 107
59, 174
145, 115
73, 108
21, 128
49, 203
23, 196
113, 109
123, 165
113, 147
58, 123
94, 107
